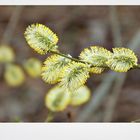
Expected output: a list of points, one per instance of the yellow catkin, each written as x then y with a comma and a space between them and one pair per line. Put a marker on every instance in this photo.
56, 99
122, 60
14, 75
6, 54
96, 70
95, 55
41, 38
74, 76
33, 67
53, 67
80, 96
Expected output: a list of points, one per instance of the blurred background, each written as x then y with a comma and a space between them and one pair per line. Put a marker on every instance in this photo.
115, 96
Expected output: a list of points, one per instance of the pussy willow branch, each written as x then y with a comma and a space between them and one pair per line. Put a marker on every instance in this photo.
77, 60
66, 56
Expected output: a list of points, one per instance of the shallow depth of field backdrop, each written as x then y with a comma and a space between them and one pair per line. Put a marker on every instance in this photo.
115, 96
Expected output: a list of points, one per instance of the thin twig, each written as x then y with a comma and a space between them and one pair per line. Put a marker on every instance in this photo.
69, 57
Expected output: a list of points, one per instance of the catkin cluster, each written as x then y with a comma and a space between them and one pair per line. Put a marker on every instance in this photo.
13, 73
71, 73
57, 99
